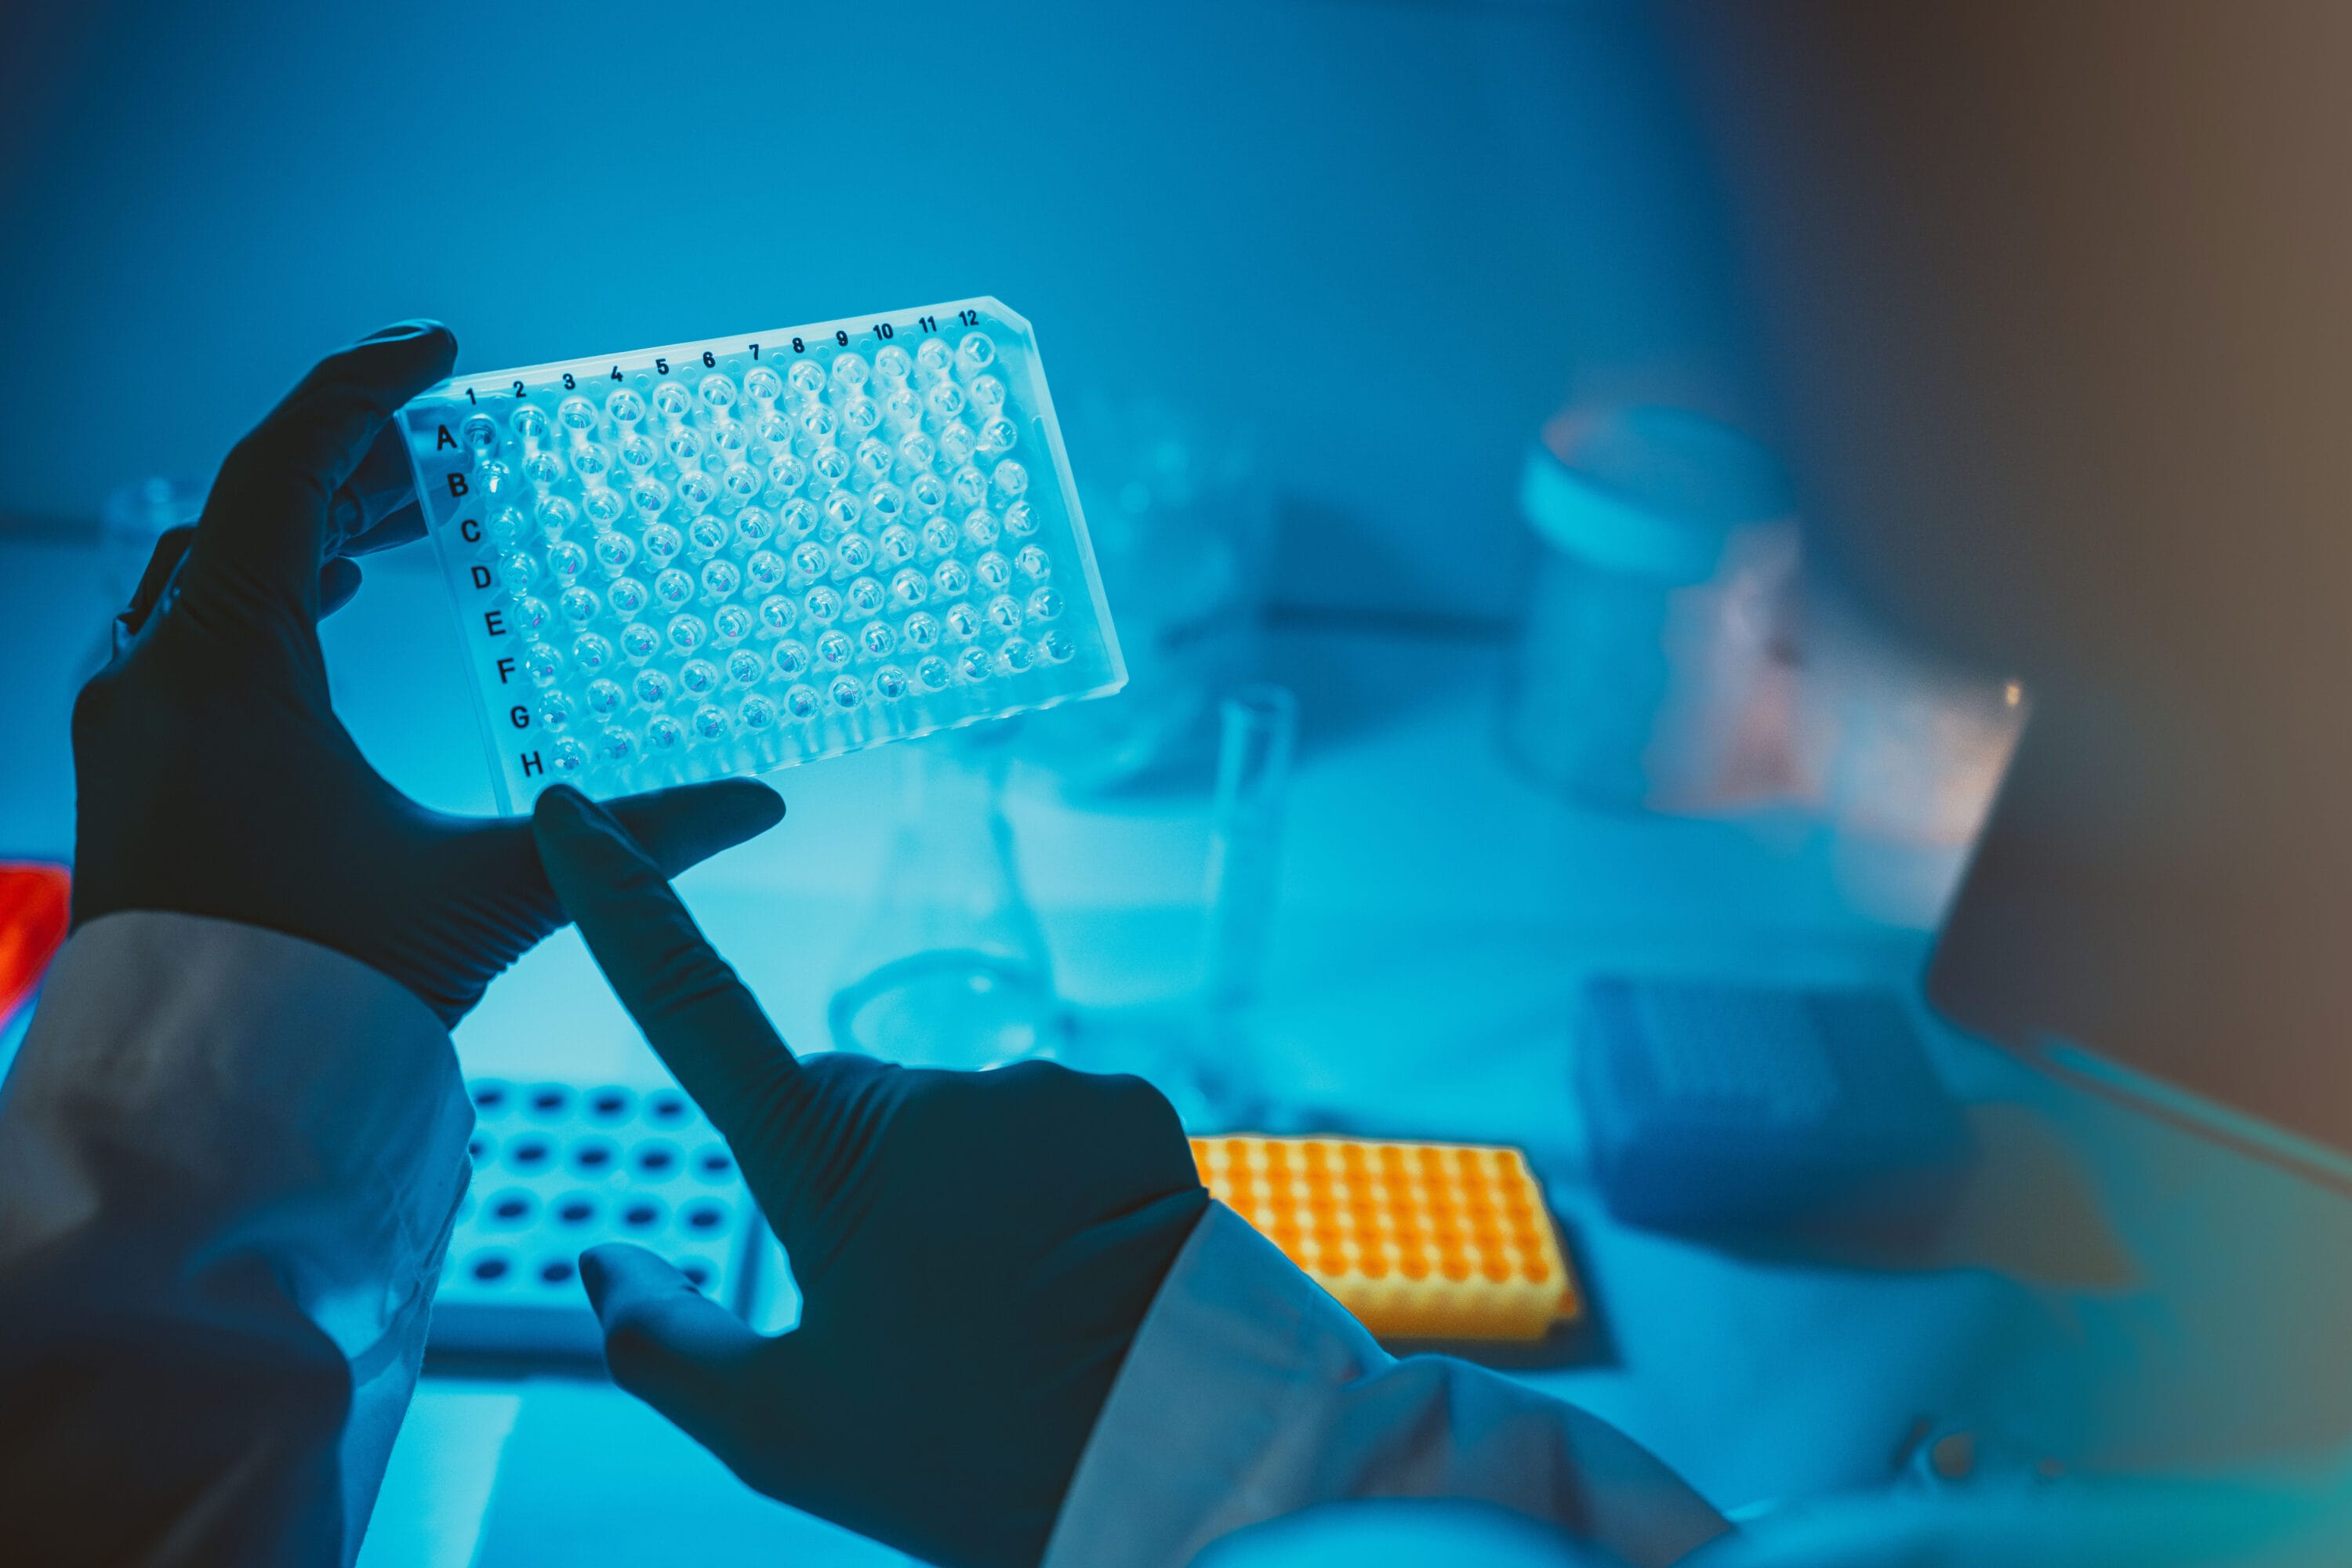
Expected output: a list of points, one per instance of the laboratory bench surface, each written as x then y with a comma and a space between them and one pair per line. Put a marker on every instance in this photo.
2111, 1289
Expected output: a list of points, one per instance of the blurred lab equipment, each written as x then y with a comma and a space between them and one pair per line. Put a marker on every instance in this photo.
136, 516
36, 903
1899, 745
1258, 728
1197, 1046
1712, 1104
1177, 516
1654, 668
1216, 1081
559, 1168
1674, 657
742, 554
951, 969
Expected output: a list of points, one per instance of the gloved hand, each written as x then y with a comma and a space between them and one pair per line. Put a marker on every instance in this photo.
213, 777
974, 1250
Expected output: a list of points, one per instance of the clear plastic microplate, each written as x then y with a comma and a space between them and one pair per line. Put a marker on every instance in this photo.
735, 555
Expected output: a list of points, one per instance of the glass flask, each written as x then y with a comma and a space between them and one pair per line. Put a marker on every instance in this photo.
950, 969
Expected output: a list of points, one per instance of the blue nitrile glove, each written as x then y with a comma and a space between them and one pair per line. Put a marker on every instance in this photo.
212, 775
974, 1250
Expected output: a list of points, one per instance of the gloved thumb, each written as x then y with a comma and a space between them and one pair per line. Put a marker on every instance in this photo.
668, 1344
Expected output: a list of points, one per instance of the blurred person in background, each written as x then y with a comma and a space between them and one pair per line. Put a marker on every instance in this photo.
2052, 321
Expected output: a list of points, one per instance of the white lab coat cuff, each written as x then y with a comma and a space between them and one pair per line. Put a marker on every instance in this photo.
252, 1096
1250, 1392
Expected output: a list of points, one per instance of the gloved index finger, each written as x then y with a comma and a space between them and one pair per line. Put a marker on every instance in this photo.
701, 1020
266, 524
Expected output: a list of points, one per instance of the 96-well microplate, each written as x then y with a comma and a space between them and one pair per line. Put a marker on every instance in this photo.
735, 555
559, 1168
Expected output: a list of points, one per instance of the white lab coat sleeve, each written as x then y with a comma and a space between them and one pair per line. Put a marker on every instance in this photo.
1250, 1392
229, 1165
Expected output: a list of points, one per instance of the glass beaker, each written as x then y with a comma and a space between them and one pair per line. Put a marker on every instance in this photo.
950, 969
1199, 1047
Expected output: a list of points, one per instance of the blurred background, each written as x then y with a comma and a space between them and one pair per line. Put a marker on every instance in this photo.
1382, 237
1432, 440
1311, 279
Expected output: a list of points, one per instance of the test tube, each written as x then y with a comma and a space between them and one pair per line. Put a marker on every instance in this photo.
1259, 725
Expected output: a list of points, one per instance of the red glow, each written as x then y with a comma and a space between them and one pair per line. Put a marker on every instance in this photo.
33, 913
